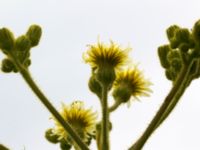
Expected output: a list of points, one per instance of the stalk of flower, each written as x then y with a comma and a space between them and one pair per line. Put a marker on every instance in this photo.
82, 120
105, 59
129, 83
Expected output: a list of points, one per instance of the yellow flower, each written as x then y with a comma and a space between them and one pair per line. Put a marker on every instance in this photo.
82, 120
101, 54
130, 82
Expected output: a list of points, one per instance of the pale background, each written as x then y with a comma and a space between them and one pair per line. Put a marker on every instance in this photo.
68, 26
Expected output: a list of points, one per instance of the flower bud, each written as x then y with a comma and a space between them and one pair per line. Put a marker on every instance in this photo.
105, 76
196, 31
184, 47
162, 53
51, 137
176, 64
171, 31
23, 43
7, 66
182, 35
172, 55
34, 33
94, 86
64, 145
27, 63
6, 39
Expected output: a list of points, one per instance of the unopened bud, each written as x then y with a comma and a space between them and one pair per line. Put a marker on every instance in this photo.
51, 137
95, 86
7, 66
34, 34
196, 31
171, 31
162, 53
6, 39
23, 43
182, 35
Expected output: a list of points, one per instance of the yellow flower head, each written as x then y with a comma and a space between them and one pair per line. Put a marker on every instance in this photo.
82, 120
130, 82
101, 54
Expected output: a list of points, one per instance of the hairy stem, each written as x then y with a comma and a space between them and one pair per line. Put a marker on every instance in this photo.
156, 120
105, 119
27, 77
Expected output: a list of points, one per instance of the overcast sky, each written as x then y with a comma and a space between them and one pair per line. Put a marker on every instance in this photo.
57, 66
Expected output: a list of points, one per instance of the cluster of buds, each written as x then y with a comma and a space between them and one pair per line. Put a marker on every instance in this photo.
183, 47
18, 49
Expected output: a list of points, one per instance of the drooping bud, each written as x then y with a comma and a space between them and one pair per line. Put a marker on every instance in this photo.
23, 43
162, 53
34, 34
51, 137
6, 39
7, 66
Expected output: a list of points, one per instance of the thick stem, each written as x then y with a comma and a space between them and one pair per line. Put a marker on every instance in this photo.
140, 143
105, 119
27, 77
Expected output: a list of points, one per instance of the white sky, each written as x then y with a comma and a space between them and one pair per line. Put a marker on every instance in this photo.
68, 26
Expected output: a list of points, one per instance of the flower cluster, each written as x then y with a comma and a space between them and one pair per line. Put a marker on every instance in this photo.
17, 50
183, 47
107, 63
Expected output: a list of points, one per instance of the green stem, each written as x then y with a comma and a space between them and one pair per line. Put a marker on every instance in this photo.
27, 77
142, 140
114, 106
105, 119
185, 83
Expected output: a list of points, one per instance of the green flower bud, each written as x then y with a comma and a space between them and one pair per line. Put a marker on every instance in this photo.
162, 53
174, 54
176, 64
170, 74
6, 39
27, 63
183, 35
64, 145
196, 31
51, 137
171, 31
7, 66
23, 43
122, 94
105, 76
34, 34
174, 43
184, 47
94, 86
